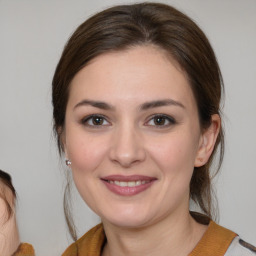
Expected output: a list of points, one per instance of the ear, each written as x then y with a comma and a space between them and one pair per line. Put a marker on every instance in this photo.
207, 141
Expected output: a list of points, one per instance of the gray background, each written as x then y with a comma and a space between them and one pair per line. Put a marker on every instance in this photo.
32, 36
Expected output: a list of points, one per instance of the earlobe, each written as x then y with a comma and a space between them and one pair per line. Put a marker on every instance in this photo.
68, 162
207, 141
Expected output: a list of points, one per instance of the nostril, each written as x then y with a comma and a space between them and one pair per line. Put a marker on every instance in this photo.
127, 160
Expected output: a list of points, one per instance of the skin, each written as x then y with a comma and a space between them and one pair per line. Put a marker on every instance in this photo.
130, 140
9, 237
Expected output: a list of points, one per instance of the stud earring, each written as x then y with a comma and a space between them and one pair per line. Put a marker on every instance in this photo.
68, 162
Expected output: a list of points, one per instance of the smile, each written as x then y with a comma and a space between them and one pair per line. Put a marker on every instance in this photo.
128, 185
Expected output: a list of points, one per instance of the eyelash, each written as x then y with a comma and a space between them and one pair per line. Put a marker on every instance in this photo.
169, 119
85, 121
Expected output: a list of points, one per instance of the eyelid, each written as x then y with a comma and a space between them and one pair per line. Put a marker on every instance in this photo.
170, 119
84, 120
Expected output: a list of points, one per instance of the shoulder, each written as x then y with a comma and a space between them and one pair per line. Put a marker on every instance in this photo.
25, 250
215, 241
239, 247
91, 243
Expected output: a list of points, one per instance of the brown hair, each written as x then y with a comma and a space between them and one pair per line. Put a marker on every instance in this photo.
125, 26
6, 179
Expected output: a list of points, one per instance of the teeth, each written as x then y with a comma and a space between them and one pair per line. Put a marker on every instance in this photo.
138, 182
129, 183
123, 184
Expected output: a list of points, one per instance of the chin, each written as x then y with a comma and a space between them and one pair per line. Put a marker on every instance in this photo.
127, 220
128, 223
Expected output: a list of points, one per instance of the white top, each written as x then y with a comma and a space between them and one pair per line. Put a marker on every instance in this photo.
238, 247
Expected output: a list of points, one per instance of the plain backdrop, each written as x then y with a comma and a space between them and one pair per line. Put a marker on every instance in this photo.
32, 36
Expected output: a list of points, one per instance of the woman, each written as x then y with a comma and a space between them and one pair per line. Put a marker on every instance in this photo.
9, 237
136, 106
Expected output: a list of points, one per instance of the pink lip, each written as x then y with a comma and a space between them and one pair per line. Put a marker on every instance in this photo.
128, 191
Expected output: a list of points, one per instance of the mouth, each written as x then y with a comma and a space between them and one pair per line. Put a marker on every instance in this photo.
128, 185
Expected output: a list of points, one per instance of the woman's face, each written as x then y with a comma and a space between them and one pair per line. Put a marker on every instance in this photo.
133, 136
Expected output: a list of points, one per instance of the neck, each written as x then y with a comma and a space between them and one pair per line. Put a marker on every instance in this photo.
175, 235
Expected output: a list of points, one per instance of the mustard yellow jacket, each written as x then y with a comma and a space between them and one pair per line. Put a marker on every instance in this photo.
215, 241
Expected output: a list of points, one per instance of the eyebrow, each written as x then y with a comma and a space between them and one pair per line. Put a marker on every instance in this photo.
161, 103
144, 106
96, 104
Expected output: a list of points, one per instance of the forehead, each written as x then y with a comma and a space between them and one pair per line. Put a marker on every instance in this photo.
142, 71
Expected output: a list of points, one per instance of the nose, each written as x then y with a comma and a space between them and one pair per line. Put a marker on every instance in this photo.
127, 147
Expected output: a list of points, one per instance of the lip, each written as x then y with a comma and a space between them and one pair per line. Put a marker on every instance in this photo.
126, 190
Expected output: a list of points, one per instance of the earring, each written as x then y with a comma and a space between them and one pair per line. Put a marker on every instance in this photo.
68, 162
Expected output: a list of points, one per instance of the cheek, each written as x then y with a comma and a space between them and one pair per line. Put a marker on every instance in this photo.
175, 154
85, 152
3, 212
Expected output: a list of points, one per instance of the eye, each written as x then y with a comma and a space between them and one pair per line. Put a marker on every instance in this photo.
95, 120
161, 121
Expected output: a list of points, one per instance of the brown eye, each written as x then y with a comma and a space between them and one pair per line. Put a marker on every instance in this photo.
95, 120
161, 121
